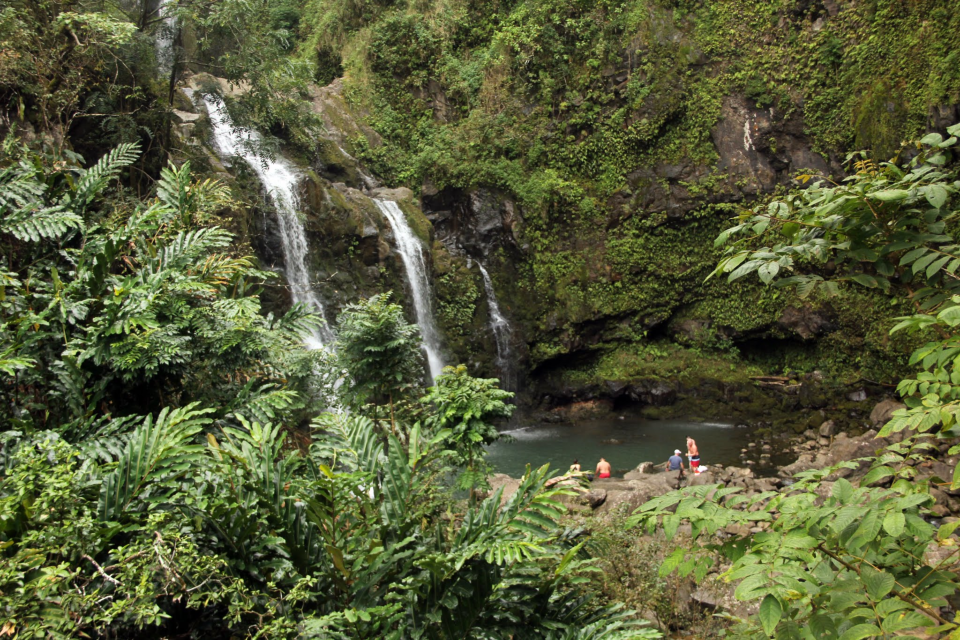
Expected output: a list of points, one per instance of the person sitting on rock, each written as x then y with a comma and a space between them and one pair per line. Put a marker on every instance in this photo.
603, 469
576, 465
693, 454
675, 465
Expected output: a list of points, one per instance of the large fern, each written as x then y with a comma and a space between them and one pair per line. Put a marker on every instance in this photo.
158, 450
94, 179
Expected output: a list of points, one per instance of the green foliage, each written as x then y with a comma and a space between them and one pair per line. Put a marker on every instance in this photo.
64, 58
855, 562
887, 227
379, 351
466, 408
103, 302
248, 42
833, 559
247, 537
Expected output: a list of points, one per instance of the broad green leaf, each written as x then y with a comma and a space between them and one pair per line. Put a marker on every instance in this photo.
768, 272
950, 316
859, 631
866, 280
936, 195
912, 256
890, 195
877, 583
770, 613
893, 523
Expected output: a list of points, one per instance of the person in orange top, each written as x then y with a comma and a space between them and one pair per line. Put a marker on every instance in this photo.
603, 469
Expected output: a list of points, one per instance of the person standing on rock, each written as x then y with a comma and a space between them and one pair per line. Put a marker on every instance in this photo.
693, 454
675, 465
603, 469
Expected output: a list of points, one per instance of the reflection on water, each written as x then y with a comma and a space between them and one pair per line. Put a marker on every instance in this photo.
625, 443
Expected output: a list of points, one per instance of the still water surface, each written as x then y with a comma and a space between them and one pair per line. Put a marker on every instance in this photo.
641, 440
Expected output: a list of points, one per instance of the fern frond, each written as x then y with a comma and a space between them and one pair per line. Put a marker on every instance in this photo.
20, 187
96, 177
186, 247
35, 224
176, 190
264, 404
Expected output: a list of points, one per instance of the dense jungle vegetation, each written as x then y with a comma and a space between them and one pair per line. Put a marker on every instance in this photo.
173, 462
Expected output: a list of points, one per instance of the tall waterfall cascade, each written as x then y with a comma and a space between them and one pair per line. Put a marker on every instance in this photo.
500, 327
166, 32
280, 178
415, 265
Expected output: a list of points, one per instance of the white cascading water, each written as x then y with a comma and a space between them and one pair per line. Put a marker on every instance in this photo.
166, 32
280, 178
500, 328
415, 265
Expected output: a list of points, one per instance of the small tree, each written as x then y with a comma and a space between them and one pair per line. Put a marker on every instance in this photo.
466, 406
380, 353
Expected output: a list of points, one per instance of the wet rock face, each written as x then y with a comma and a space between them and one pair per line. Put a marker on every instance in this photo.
475, 222
757, 149
806, 321
758, 145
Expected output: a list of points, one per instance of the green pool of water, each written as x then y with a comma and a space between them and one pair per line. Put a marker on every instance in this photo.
639, 441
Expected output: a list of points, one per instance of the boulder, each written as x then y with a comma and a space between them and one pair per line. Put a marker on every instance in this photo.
594, 498
857, 396
883, 411
828, 428
642, 469
700, 479
510, 485
637, 492
805, 321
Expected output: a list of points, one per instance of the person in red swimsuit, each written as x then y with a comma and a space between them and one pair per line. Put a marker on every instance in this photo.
693, 454
603, 469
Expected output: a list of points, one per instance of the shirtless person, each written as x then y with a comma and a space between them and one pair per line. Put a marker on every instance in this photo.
693, 454
603, 469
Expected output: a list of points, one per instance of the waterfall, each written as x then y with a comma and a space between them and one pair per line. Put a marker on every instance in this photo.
280, 178
501, 330
415, 265
163, 42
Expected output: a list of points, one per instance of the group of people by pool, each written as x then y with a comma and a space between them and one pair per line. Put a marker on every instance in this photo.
673, 465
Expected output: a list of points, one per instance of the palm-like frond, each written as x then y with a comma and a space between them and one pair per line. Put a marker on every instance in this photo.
102, 439
187, 247
156, 450
263, 404
176, 190
349, 440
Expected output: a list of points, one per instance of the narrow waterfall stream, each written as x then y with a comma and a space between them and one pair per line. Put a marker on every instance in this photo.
280, 178
166, 33
501, 331
415, 265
